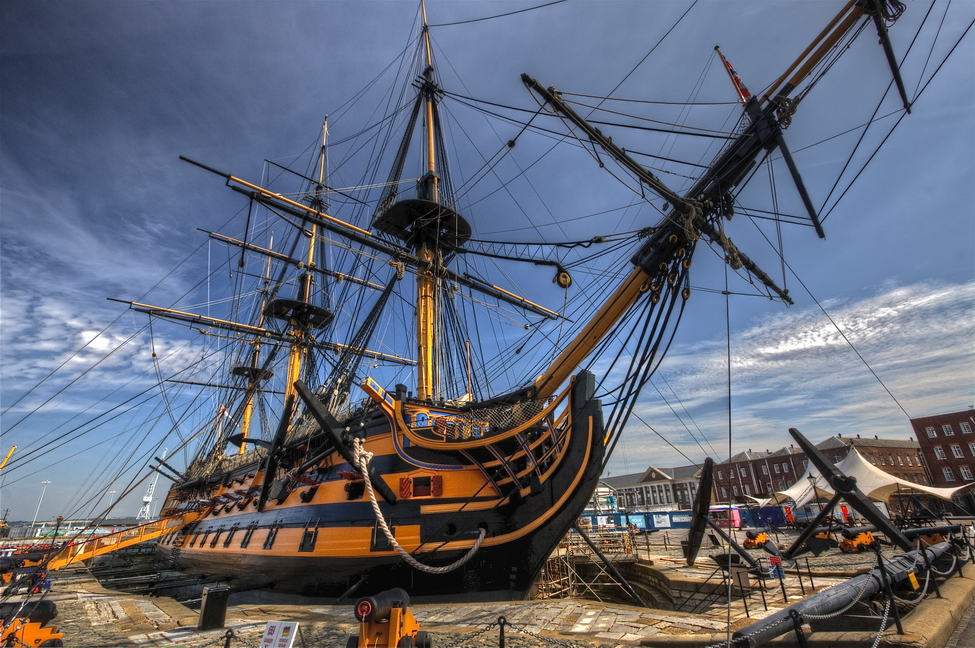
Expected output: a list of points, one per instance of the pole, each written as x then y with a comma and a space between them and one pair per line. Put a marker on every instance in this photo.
38, 509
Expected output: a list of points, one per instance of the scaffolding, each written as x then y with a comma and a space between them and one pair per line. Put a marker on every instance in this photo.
574, 569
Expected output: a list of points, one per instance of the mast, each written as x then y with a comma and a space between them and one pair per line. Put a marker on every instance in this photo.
426, 282
429, 226
254, 373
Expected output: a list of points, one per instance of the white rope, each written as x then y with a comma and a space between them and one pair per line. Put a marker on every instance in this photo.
362, 463
950, 570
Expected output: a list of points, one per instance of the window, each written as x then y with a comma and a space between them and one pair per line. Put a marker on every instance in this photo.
744, 473
946, 428
931, 433
724, 492
966, 473
909, 460
939, 452
965, 428
949, 475
764, 470
956, 452
971, 448
900, 460
734, 489
777, 469
785, 468
747, 490
882, 462
873, 459
720, 475
891, 457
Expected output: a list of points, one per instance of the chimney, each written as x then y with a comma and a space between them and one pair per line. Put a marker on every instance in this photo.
858, 436
875, 436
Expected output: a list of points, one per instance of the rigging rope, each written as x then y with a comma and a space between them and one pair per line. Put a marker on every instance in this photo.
362, 458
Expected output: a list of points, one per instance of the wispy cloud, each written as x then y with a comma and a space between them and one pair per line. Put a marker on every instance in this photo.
797, 369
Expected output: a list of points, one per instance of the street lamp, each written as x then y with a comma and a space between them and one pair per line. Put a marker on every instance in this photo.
812, 485
37, 510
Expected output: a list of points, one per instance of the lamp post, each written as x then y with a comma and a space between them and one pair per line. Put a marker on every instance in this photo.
37, 510
812, 485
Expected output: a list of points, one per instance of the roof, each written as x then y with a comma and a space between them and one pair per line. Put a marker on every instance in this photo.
622, 480
857, 442
654, 475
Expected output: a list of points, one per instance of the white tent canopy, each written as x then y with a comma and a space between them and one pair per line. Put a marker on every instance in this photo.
873, 482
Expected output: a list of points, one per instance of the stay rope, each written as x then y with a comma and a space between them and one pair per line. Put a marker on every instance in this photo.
362, 458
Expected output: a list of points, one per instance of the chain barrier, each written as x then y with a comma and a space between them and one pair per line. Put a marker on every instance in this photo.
883, 623
764, 629
471, 636
526, 631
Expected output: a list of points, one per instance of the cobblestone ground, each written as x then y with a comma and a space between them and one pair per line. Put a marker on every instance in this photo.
90, 615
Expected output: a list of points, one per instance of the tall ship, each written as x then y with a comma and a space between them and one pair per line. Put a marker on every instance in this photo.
397, 399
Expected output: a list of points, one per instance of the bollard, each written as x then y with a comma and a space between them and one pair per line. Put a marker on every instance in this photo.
213, 608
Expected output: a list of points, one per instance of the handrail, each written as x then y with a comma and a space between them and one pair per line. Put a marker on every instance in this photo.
100, 545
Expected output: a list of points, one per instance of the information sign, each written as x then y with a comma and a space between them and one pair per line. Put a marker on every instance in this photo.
279, 634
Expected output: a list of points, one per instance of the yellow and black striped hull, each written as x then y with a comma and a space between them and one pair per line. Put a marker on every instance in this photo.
321, 537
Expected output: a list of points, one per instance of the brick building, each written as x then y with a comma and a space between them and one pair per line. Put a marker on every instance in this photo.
948, 446
759, 474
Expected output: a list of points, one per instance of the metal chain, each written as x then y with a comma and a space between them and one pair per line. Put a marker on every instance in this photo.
764, 629
467, 638
557, 642
883, 623
820, 617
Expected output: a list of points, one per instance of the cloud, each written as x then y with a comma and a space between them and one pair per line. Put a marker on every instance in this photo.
798, 369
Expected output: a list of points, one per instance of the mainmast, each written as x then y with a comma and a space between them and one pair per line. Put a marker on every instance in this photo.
427, 225
426, 282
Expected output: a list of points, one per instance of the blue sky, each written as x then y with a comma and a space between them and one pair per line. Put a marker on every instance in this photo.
101, 98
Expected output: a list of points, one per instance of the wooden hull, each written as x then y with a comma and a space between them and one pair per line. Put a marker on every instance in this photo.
322, 539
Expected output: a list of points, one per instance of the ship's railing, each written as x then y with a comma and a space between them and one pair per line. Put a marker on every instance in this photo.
79, 551
478, 427
225, 465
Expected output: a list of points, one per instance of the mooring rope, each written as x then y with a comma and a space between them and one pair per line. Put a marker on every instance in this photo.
362, 458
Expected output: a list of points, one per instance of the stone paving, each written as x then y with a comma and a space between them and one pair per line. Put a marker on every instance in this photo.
90, 615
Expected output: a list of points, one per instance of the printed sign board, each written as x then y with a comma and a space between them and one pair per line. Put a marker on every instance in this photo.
279, 634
